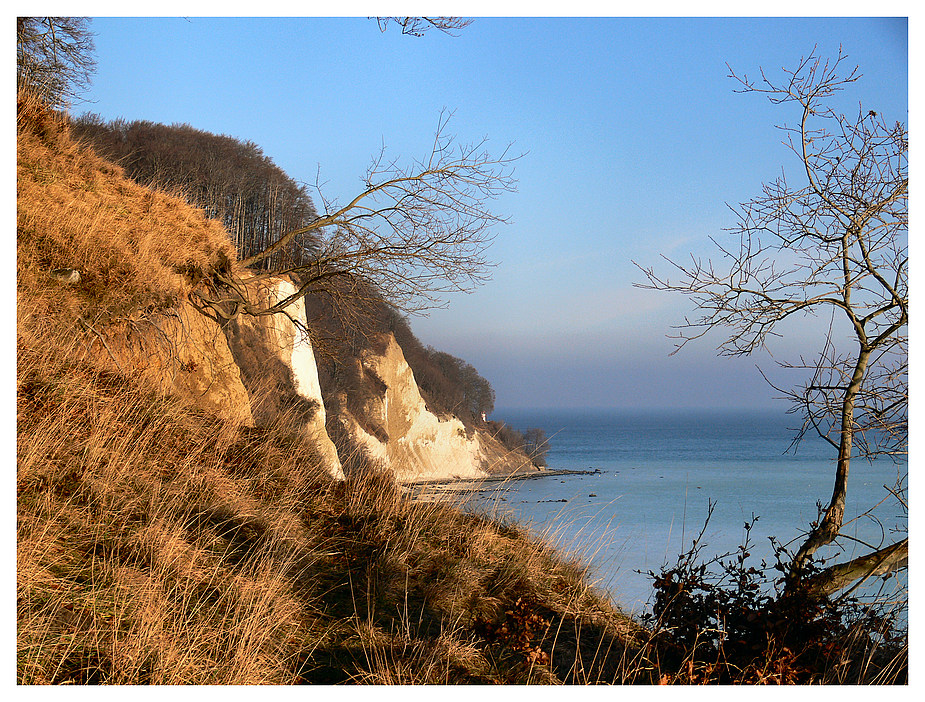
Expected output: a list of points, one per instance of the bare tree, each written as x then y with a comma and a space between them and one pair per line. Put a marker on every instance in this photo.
536, 445
54, 57
836, 246
417, 26
415, 233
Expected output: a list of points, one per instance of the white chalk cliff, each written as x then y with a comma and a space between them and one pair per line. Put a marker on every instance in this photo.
261, 370
399, 432
277, 363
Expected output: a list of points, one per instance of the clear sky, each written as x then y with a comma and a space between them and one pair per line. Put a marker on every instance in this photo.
634, 137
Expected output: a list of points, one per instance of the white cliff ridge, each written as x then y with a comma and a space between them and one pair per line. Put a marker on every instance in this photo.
296, 348
261, 370
278, 367
411, 441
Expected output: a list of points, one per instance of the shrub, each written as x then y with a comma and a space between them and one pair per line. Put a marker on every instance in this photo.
725, 621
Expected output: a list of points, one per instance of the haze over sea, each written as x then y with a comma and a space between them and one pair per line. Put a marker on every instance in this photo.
660, 470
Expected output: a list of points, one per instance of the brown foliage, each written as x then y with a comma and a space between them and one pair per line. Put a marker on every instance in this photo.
75, 210
159, 545
232, 181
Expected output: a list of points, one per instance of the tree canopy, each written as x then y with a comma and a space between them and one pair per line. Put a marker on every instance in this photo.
232, 180
54, 57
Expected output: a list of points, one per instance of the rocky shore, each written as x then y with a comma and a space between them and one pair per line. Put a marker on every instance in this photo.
432, 490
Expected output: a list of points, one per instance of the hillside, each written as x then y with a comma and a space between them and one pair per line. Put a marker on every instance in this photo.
171, 531
346, 316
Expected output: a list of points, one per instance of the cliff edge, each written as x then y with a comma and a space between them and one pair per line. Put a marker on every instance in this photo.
398, 431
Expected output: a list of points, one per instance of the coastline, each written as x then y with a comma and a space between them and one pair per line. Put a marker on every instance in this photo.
429, 489
508, 476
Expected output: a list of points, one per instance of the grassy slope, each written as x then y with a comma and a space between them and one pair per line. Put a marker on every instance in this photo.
159, 545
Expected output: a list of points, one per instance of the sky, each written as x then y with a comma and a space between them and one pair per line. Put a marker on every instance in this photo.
634, 142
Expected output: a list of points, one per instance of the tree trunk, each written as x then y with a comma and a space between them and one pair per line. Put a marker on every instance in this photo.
829, 526
873, 564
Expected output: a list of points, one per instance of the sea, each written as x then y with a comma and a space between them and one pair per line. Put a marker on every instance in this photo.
656, 476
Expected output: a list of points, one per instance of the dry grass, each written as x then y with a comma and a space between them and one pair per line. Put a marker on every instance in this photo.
141, 558
159, 545
135, 248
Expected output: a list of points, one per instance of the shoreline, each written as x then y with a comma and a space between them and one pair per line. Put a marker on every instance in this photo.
452, 486
507, 476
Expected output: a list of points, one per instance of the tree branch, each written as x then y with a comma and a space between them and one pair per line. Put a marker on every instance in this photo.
871, 565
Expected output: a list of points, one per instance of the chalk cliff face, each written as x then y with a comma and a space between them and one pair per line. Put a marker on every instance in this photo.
261, 370
257, 371
277, 365
397, 430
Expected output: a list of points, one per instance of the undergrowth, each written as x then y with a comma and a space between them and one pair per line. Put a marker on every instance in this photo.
724, 620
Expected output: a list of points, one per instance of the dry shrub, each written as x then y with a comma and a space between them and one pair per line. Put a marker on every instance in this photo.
724, 620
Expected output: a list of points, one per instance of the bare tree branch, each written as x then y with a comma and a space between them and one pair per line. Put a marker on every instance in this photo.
415, 233
838, 245
54, 57
418, 26
871, 565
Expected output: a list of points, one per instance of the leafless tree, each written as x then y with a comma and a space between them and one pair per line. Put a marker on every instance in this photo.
834, 246
54, 57
536, 445
417, 26
415, 233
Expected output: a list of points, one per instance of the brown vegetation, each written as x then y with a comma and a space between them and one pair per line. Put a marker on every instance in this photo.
230, 180
157, 544
135, 249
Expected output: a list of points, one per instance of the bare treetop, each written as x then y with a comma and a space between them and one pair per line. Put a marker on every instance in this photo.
418, 26
418, 231
54, 57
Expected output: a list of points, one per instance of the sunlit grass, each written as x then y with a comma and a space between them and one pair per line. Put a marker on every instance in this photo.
158, 544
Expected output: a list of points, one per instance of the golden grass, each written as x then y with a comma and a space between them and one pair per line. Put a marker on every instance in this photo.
134, 247
156, 546
159, 545
125, 570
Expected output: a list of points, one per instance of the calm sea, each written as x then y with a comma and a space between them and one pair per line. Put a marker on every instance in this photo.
659, 472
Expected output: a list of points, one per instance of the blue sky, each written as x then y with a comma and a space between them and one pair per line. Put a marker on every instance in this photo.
634, 138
